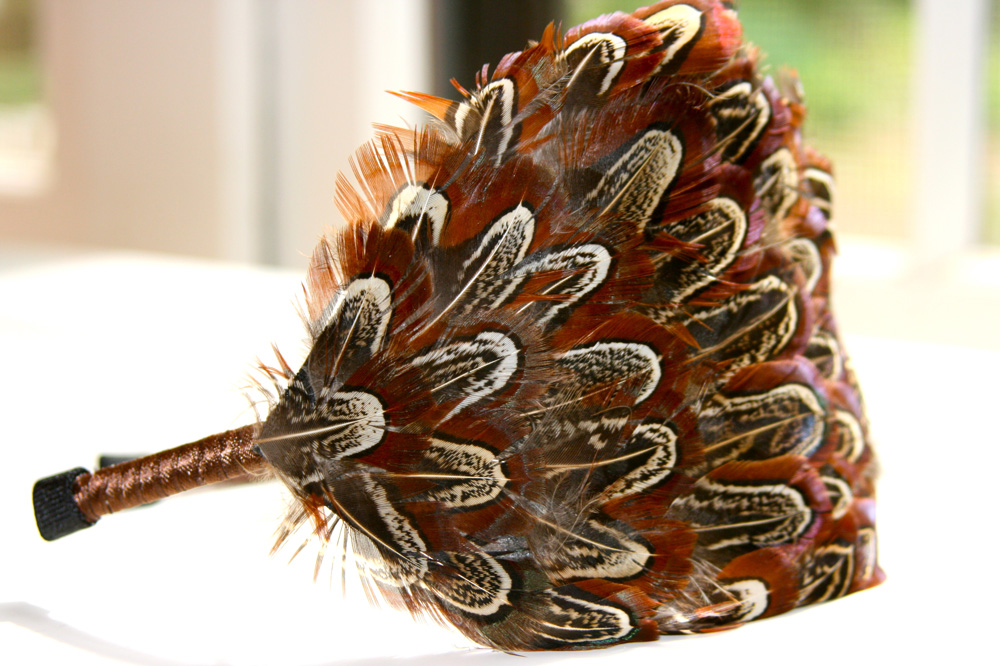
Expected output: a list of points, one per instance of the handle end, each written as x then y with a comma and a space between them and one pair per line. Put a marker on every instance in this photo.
56, 511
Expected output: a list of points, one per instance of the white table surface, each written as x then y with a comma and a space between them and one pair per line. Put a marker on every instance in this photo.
116, 352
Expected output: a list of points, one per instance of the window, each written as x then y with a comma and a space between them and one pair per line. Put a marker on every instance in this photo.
992, 231
854, 60
26, 137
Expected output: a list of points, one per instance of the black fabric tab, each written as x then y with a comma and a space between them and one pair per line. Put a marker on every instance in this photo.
56, 513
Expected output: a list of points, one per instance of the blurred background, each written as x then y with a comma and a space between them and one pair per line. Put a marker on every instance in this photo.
215, 128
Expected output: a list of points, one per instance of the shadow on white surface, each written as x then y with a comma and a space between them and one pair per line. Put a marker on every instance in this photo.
37, 620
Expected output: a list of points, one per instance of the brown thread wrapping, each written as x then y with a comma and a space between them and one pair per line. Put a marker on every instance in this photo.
225, 456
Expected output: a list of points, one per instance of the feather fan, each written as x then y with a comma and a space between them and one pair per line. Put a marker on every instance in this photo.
574, 379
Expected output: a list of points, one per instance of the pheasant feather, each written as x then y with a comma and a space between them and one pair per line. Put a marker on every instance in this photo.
574, 379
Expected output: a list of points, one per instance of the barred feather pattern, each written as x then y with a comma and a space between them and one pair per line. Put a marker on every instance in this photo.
574, 379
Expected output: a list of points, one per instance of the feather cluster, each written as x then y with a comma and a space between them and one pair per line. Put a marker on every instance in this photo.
574, 379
